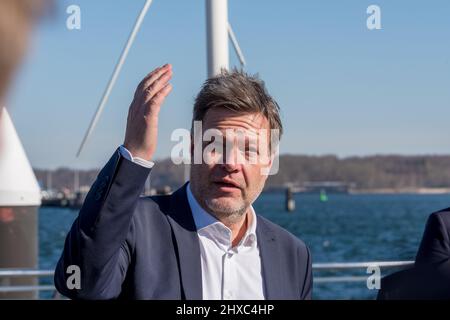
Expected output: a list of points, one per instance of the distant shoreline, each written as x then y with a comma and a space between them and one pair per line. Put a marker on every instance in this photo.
402, 191
354, 175
375, 191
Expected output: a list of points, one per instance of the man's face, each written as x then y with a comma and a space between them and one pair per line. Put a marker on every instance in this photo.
231, 178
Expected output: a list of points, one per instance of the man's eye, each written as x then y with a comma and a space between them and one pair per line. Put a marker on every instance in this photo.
214, 146
247, 151
251, 150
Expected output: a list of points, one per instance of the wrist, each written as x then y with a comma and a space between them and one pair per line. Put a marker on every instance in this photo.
138, 153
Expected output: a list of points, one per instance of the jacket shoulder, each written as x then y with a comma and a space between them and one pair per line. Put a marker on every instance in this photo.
282, 234
435, 243
439, 224
153, 205
442, 217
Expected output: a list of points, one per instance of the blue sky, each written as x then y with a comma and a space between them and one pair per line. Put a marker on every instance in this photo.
342, 89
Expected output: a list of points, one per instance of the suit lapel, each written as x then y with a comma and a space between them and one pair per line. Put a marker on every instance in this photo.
270, 261
180, 217
183, 225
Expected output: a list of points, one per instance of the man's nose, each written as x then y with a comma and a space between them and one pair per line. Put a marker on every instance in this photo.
231, 162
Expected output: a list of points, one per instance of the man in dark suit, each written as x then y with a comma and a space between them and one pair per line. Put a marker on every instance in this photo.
430, 276
205, 240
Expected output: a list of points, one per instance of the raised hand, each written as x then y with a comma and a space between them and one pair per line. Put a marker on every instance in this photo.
142, 122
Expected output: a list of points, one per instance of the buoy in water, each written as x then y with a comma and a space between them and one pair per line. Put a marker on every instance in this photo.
290, 202
323, 196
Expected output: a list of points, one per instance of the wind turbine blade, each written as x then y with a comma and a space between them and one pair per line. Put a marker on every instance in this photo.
236, 45
115, 74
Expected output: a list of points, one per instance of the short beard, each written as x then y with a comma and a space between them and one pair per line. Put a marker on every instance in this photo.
225, 213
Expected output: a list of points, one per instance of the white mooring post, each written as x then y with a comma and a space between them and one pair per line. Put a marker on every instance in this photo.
20, 199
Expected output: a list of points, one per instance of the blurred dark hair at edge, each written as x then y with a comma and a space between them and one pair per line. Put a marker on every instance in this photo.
17, 18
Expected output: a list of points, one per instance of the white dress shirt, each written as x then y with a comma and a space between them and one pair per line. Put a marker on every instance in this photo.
127, 155
228, 273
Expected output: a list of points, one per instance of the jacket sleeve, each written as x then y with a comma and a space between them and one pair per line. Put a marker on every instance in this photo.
308, 282
101, 241
435, 244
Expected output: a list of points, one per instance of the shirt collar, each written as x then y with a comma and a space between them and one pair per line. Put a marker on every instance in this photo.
212, 228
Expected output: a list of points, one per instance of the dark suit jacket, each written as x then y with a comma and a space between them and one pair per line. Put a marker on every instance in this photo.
435, 244
430, 277
132, 247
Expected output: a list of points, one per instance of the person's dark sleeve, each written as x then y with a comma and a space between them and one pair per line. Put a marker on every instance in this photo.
421, 282
382, 293
101, 239
386, 287
435, 244
308, 282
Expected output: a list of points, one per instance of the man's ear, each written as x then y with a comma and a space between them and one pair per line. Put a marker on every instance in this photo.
272, 156
271, 159
268, 169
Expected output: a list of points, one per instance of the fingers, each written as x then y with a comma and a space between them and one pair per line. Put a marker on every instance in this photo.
162, 94
149, 79
158, 76
153, 104
156, 71
152, 91
142, 122
155, 83
139, 89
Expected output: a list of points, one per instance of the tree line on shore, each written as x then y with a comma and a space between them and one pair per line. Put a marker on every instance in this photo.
366, 172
